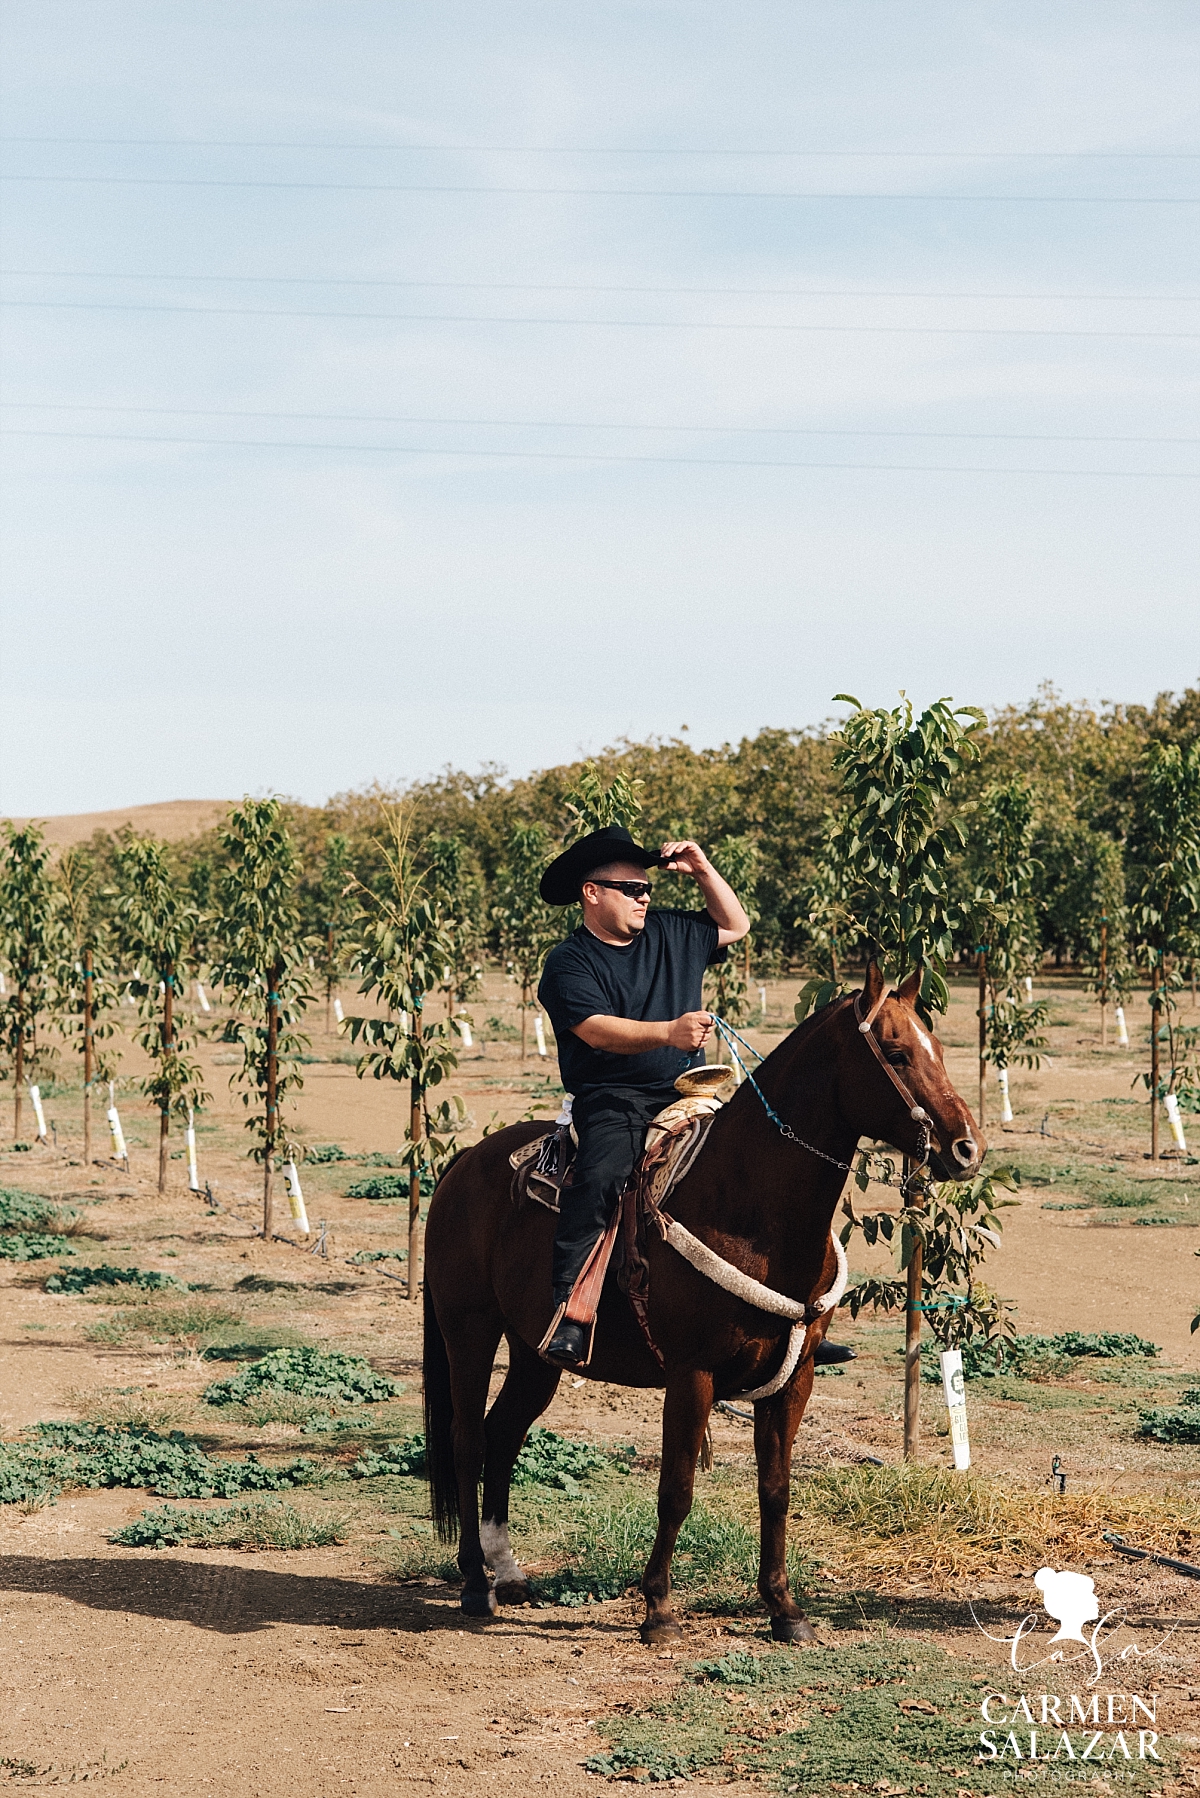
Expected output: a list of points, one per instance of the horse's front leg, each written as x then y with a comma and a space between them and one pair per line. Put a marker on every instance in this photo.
685, 1416
776, 1421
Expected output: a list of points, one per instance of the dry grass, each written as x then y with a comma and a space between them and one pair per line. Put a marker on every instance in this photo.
122, 1407
908, 1522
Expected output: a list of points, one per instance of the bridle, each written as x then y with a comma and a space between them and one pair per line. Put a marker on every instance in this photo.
866, 1028
865, 1025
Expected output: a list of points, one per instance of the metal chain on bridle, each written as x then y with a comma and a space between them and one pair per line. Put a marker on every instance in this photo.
915, 1111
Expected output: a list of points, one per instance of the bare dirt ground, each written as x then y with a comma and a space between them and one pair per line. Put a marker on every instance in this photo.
337, 1669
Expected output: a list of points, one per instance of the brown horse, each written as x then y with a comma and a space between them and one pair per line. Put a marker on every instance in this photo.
761, 1196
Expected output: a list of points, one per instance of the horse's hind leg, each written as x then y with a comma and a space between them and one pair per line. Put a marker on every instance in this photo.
527, 1390
470, 1373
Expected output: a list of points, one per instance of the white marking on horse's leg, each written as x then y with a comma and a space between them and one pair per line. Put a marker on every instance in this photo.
497, 1552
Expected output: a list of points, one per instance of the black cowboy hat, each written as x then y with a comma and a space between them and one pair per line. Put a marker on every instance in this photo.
562, 880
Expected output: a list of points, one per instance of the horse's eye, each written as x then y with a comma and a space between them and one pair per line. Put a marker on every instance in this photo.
896, 1058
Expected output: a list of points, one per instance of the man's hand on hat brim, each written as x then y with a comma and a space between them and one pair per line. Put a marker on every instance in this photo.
683, 858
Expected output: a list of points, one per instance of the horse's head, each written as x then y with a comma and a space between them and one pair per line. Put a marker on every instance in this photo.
899, 1092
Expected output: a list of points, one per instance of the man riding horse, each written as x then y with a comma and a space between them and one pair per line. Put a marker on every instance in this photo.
624, 996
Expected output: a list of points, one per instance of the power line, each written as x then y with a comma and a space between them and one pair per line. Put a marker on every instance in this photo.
815, 293
215, 143
390, 449
612, 193
631, 324
543, 424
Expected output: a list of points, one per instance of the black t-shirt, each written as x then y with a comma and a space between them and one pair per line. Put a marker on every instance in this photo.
658, 976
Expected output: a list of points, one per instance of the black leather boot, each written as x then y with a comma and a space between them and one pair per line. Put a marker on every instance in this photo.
568, 1345
830, 1354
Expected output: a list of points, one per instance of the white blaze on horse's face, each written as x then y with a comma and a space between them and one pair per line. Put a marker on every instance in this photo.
926, 1042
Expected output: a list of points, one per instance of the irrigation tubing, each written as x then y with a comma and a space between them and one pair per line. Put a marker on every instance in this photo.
1187, 1568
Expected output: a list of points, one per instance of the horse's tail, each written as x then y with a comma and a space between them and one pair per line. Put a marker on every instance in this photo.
439, 1428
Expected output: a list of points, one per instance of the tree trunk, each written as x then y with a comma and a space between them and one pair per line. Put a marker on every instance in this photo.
524, 1018
416, 1118
168, 1043
18, 1073
329, 981
272, 1113
982, 1037
912, 1351
87, 1057
1154, 979
1103, 983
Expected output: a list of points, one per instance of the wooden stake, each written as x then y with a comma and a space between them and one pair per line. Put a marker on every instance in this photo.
416, 1119
87, 1057
912, 1350
329, 980
982, 1036
524, 1017
1154, 979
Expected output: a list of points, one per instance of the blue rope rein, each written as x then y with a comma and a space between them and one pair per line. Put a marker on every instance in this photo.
731, 1038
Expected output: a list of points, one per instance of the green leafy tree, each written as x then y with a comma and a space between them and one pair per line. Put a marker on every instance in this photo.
401, 956
736, 858
595, 806
1165, 848
894, 836
526, 926
29, 938
1108, 964
87, 977
455, 888
156, 925
895, 833
1005, 927
338, 908
263, 965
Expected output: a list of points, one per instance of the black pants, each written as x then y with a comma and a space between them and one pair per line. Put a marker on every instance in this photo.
611, 1127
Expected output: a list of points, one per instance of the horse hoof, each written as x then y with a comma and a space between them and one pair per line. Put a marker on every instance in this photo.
478, 1604
792, 1629
660, 1632
513, 1591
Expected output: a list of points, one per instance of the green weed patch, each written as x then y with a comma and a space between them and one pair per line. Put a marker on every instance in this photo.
546, 1459
270, 1524
308, 1373
21, 1210
890, 1716
1047, 1356
325, 1152
88, 1279
58, 1455
1174, 1423
379, 1186
30, 1245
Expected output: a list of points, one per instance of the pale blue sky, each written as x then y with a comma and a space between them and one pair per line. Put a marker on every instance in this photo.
958, 359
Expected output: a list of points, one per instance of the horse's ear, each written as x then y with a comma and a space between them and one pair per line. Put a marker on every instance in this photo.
872, 986
910, 987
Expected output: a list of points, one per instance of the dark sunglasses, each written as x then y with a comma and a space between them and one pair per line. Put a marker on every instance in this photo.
632, 889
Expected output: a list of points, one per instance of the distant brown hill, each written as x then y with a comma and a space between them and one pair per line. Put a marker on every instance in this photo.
170, 820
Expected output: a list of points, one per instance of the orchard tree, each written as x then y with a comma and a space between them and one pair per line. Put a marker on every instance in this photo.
527, 927
1004, 922
403, 949
156, 925
263, 965
338, 907
455, 889
1106, 927
29, 937
894, 837
87, 976
1166, 853
736, 859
